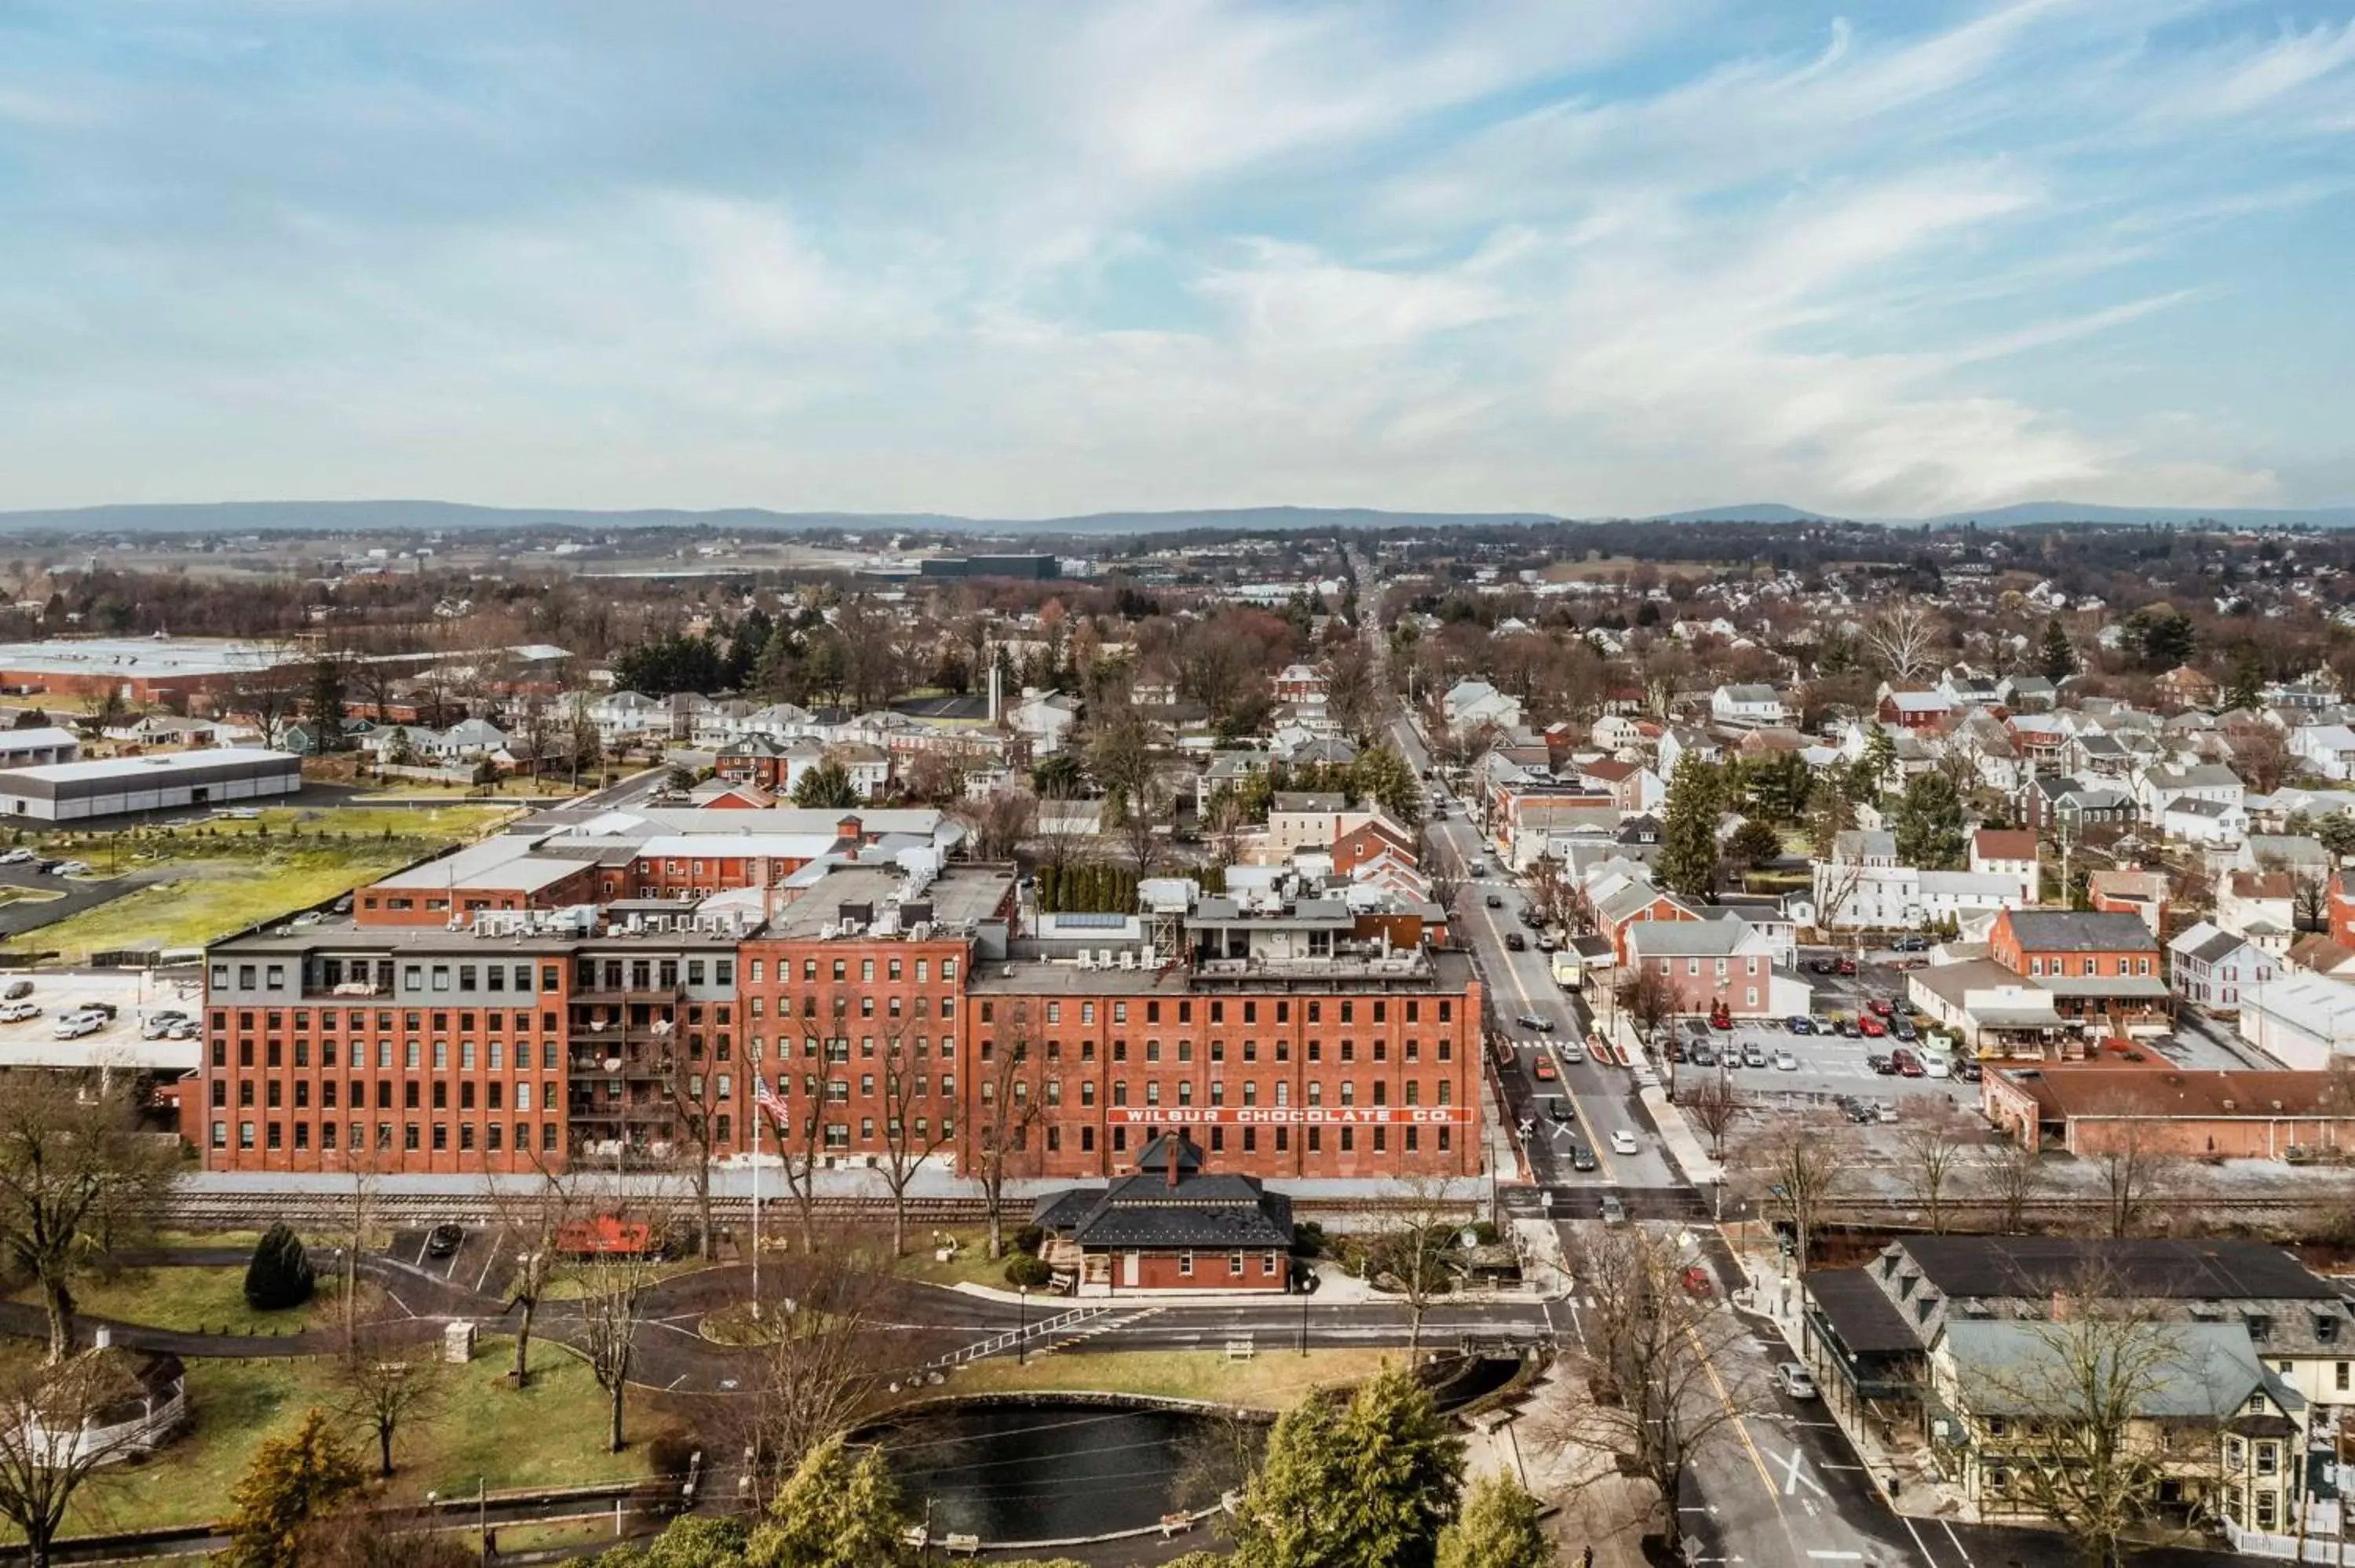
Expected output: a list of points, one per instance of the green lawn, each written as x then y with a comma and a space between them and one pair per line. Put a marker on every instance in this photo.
548, 1434
224, 875
972, 1263
205, 1298
1271, 1380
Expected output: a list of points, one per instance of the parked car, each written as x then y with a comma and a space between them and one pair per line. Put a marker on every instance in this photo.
1910, 944
1902, 1029
1871, 1028
1908, 1065
444, 1240
71, 868
105, 1010
73, 1026
1879, 1007
1847, 967
1697, 1281
17, 1011
17, 991
15, 857
1844, 1026
1786, 1062
1798, 1023
1623, 1142
1969, 1070
1937, 1066
1754, 1054
1823, 965
1794, 1380
1881, 1065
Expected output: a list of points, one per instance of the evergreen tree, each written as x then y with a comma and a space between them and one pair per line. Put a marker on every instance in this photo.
291, 1481
1381, 776
1928, 823
2057, 658
325, 702
1876, 771
1368, 1484
834, 1511
2246, 686
826, 785
279, 1274
690, 1541
1688, 849
2337, 832
1497, 1529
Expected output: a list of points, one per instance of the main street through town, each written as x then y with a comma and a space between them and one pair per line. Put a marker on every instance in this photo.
1780, 1487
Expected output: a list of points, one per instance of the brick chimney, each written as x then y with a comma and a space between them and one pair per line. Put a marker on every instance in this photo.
1173, 1156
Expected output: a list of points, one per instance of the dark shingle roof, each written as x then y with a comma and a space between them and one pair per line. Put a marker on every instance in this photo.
2081, 931
1859, 1312
2149, 1269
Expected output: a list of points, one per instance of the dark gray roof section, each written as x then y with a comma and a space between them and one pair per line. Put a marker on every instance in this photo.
1866, 1320
1205, 1211
1994, 1266
2081, 931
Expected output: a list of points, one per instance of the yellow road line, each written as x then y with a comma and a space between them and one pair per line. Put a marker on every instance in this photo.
1741, 1428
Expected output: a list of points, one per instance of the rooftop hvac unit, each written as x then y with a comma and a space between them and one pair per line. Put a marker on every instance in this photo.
1087, 959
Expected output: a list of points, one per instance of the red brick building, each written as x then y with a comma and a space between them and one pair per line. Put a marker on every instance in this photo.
894, 1012
2099, 967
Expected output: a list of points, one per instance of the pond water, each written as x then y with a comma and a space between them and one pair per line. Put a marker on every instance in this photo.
1055, 1469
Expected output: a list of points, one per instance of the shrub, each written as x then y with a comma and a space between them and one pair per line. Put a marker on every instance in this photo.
1309, 1239
279, 1274
1484, 1233
1030, 1239
1024, 1269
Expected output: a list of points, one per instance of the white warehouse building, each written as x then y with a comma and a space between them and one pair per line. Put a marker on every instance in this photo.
113, 787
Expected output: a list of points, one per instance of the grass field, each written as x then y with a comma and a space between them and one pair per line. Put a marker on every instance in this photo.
548, 1434
1271, 1380
972, 1263
207, 1298
221, 876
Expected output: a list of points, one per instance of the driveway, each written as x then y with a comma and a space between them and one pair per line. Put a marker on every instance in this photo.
21, 916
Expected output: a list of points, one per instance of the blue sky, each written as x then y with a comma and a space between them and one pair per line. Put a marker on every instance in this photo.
1027, 258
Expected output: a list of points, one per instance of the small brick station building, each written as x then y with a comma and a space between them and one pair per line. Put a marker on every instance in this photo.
1170, 1226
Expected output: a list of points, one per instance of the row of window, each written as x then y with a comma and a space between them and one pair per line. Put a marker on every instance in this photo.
494, 1056
894, 1005
1313, 1010
1412, 1050
495, 1094
2089, 967
840, 968
493, 1135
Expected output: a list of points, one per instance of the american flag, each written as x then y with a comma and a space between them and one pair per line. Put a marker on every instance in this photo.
766, 1097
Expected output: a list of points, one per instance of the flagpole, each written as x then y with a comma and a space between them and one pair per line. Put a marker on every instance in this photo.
759, 1115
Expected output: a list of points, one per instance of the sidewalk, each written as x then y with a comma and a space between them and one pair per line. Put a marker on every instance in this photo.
1684, 1146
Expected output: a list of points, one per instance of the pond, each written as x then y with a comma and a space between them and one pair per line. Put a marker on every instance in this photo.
1053, 1470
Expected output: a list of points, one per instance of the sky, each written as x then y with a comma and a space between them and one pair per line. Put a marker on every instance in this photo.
1034, 257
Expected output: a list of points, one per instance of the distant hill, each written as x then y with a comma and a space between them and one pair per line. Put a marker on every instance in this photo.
277, 516
1751, 512
366, 517
2030, 514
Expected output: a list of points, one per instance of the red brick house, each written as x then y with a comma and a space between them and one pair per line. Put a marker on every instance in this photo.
2185, 687
1370, 839
2100, 967
1171, 1225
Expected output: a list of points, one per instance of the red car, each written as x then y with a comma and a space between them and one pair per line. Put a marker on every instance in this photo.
1908, 1065
1848, 966
1698, 1282
1871, 1028
1545, 1069
1880, 1008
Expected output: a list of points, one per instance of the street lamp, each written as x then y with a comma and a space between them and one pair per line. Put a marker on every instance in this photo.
1022, 1332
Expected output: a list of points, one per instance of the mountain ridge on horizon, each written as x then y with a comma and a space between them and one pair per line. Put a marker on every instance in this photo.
185, 517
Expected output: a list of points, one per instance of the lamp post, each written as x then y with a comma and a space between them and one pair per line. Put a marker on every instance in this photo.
1022, 1331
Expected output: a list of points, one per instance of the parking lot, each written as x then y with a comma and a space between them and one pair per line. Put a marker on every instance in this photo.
33, 1041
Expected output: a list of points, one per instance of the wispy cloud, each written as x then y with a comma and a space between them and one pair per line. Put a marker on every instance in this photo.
1021, 258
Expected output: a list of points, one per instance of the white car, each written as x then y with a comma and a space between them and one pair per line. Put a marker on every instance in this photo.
17, 1011
1794, 1380
71, 868
1623, 1142
1786, 1062
1937, 1066
16, 857
73, 1026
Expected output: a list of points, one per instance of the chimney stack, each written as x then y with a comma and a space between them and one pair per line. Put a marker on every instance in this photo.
1173, 1147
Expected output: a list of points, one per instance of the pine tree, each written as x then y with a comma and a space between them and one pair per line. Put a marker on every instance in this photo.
1688, 862
1496, 1529
834, 1513
1928, 823
2247, 688
2058, 655
827, 785
279, 1274
1366, 1485
291, 1481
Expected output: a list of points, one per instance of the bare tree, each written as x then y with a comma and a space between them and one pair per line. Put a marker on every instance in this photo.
1014, 1092
2013, 1173
1648, 998
2072, 1418
614, 1272
534, 1217
700, 1122
56, 1431
360, 1164
1654, 1395
1553, 895
2134, 1168
384, 1384
801, 1124
1001, 822
1903, 639
1799, 1164
1142, 812
79, 1178
1409, 1255
824, 1363
1713, 1105
911, 1135
1934, 1148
